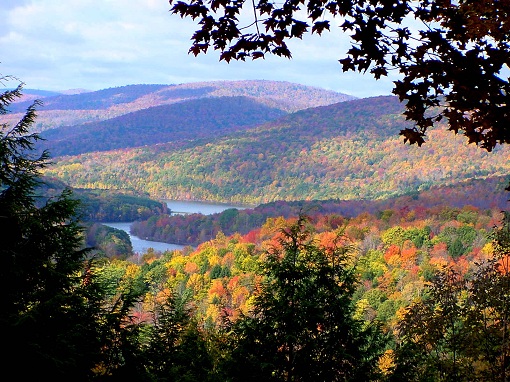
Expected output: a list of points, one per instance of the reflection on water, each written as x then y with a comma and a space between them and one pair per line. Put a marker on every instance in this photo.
141, 245
176, 207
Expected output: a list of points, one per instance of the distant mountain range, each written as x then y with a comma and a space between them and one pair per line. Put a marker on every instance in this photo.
198, 118
254, 142
81, 107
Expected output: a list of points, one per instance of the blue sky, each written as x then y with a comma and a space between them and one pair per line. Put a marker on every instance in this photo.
98, 44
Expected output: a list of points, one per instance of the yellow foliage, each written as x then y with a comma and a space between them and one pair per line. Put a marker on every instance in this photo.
360, 309
386, 362
133, 270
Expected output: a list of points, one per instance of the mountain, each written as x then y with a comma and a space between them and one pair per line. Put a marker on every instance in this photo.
74, 109
350, 150
199, 118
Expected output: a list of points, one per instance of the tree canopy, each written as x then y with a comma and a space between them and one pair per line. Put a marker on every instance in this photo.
453, 56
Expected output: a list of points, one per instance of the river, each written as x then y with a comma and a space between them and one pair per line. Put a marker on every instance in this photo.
176, 207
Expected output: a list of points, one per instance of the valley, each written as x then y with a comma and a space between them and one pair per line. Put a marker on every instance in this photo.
349, 150
276, 147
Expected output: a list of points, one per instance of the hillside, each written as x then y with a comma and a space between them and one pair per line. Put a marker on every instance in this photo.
85, 107
205, 118
194, 229
349, 150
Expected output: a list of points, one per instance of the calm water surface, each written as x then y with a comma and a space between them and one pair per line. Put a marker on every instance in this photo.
176, 207
205, 208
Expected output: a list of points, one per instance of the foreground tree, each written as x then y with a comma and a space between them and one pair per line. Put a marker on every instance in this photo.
450, 54
461, 330
53, 319
302, 326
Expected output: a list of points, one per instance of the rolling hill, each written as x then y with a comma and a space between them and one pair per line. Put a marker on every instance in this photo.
203, 118
66, 110
349, 150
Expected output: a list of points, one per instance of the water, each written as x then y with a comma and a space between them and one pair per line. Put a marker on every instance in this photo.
141, 245
205, 208
176, 207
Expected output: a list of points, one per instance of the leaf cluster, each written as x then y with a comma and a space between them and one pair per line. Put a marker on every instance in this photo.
451, 56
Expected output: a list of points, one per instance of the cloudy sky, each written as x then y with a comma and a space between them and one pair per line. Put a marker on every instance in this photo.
99, 44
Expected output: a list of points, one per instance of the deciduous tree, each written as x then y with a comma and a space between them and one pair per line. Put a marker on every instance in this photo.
452, 56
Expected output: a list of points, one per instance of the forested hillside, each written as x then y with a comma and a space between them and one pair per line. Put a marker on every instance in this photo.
207, 118
103, 205
85, 107
428, 279
349, 150
194, 229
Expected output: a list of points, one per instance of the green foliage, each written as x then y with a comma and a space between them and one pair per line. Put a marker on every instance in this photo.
301, 327
460, 331
110, 241
48, 314
346, 151
61, 321
177, 348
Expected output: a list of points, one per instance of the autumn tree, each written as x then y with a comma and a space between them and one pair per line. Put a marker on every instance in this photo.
302, 326
451, 56
460, 330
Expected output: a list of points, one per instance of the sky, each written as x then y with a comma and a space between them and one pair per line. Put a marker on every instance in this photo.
98, 44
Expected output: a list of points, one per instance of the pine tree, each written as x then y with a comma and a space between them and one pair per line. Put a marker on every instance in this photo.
302, 327
49, 314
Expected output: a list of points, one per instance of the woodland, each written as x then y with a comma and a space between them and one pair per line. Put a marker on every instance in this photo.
384, 283
410, 289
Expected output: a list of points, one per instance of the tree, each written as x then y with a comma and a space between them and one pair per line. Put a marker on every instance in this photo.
51, 306
302, 326
433, 341
452, 55
460, 331
177, 349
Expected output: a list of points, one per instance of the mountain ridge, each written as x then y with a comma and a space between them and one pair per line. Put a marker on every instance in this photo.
347, 150
203, 118
94, 106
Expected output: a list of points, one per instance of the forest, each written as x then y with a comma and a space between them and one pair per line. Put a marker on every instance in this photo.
349, 150
193, 229
401, 274
401, 294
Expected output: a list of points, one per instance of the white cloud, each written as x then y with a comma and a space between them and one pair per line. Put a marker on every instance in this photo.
96, 44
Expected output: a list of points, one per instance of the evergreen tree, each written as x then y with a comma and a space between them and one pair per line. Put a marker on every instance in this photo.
302, 327
177, 348
49, 312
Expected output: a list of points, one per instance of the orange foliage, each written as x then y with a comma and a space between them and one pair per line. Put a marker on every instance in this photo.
392, 255
408, 256
191, 267
217, 289
504, 265
228, 260
440, 251
462, 265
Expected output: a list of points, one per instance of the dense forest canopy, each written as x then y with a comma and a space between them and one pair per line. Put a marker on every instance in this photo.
348, 150
245, 307
402, 294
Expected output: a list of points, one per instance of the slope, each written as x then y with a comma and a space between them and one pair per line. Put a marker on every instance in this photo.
350, 150
201, 118
84, 107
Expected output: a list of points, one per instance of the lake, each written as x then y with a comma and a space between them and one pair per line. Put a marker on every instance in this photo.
176, 207
205, 208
